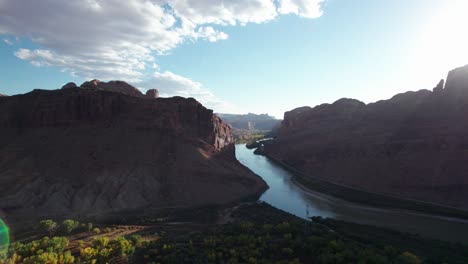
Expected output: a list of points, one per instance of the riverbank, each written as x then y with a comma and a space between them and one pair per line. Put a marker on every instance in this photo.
365, 197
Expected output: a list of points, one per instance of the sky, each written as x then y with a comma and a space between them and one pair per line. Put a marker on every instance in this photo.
259, 56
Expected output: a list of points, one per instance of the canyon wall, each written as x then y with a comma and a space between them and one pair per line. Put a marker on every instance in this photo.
94, 149
414, 145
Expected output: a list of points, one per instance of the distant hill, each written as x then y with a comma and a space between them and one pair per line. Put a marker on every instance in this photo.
244, 126
414, 145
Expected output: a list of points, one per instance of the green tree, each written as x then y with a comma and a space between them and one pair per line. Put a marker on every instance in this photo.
48, 225
88, 254
70, 225
136, 239
104, 255
100, 243
80, 244
123, 246
59, 244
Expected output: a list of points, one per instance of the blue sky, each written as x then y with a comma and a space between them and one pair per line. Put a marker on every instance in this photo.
276, 57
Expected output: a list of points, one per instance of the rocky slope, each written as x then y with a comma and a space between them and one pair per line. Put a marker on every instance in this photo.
106, 147
413, 145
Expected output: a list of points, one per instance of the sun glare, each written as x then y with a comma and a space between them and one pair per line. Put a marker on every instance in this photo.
443, 43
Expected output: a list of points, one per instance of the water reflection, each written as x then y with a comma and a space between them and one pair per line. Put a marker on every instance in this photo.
284, 194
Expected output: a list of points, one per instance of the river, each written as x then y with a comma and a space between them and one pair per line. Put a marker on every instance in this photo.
284, 194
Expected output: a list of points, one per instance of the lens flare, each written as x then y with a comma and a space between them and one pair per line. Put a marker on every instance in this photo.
4, 238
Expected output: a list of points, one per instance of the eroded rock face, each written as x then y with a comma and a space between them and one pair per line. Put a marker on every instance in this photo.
152, 94
91, 84
412, 145
87, 151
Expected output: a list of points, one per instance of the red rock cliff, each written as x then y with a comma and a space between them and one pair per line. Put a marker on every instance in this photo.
413, 145
82, 150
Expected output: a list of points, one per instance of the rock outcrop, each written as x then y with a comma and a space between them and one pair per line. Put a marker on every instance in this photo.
440, 87
414, 145
69, 85
457, 82
104, 148
113, 86
152, 94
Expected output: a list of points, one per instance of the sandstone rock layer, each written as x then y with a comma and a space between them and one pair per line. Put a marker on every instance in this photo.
88, 150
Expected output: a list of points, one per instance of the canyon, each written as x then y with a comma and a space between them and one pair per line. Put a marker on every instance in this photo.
245, 127
414, 145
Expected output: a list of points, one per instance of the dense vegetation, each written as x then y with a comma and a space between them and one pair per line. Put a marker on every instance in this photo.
250, 138
258, 233
285, 242
54, 250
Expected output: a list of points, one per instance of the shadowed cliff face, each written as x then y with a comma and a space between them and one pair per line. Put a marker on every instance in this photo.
91, 151
413, 145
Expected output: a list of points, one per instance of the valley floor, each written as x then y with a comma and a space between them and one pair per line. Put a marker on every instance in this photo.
246, 233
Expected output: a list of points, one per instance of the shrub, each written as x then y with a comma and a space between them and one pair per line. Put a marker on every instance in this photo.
46, 250
100, 243
96, 230
70, 225
58, 244
88, 253
136, 239
104, 255
123, 246
50, 257
80, 243
48, 226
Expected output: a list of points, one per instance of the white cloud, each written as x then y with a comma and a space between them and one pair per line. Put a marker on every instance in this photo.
113, 39
7, 41
117, 39
211, 34
171, 84
120, 67
224, 12
90, 38
304, 8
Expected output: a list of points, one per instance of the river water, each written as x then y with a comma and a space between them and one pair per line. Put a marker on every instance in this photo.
284, 194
